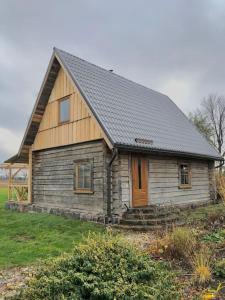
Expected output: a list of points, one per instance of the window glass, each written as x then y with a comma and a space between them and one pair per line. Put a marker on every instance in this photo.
83, 176
64, 111
139, 174
184, 174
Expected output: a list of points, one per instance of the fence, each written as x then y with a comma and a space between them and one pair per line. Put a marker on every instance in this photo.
15, 178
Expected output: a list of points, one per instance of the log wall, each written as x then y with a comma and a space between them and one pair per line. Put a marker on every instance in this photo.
163, 182
53, 177
121, 184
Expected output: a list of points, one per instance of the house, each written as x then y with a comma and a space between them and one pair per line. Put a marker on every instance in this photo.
99, 144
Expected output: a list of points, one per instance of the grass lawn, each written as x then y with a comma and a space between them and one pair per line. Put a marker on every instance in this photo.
26, 238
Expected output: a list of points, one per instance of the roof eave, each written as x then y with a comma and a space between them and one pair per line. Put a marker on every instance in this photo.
37, 101
16, 159
132, 148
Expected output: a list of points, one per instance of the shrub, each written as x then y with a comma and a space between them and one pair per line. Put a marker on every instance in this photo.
104, 267
215, 237
182, 242
202, 265
220, 268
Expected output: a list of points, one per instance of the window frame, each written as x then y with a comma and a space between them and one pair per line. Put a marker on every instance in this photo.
78, 190
59, 110
189, 184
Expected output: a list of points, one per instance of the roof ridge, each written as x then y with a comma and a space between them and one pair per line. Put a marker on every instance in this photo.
112, 73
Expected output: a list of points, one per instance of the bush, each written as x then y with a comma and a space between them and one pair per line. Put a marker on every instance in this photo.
182, 242
215, 237
104, 267
220, 268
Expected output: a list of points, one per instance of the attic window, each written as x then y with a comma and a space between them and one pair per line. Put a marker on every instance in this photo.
64, 110
184, 175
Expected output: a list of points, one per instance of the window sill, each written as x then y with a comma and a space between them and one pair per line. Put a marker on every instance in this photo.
83, 191
185, 186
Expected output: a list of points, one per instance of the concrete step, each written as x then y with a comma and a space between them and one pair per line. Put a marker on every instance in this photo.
153, 210
142, 216
150, 218
138, 227
144, 228
150, 221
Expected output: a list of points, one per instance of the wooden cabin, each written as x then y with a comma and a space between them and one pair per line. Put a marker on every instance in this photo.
98, 145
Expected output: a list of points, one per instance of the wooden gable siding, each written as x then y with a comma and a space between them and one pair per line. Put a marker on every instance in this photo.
82, 126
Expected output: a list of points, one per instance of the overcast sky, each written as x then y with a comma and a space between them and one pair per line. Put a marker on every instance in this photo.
176, 47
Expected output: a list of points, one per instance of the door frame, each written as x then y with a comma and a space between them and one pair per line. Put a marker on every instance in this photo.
143, 157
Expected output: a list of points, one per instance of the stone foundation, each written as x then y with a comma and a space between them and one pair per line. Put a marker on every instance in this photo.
168, 212
58, 211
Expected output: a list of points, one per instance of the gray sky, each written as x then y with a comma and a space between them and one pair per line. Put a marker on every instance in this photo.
176, 47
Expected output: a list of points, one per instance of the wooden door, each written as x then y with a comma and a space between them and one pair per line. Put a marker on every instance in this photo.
139, 181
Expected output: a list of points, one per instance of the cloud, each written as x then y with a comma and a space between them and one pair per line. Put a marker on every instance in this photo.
9, 143
176, 47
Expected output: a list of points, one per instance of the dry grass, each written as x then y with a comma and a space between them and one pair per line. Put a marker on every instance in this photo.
142, 240
220, 185
201, 263
182, 241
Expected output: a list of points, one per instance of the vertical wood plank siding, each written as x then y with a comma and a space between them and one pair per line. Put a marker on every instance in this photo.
53, 177
81, 127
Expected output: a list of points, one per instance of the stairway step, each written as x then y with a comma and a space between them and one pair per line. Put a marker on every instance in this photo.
141, 216
138, 227
146, 227
152, 221
153, 210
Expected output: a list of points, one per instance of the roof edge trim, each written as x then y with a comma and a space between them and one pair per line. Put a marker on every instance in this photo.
164, 151
36, 102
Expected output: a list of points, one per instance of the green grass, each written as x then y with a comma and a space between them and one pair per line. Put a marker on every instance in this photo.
27, 238
203, 214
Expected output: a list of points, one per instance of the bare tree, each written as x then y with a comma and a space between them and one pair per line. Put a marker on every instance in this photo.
201, 122
214, 110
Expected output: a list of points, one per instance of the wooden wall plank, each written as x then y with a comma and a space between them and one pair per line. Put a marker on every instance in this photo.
58, 190
164, 181
82, 126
